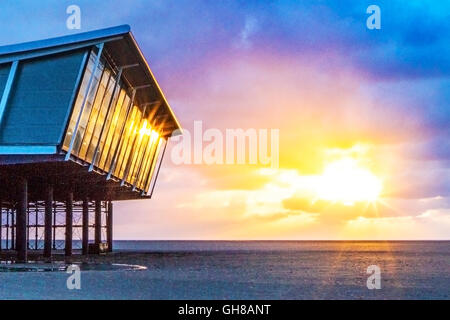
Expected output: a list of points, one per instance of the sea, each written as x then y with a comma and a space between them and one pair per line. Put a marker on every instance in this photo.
275, 270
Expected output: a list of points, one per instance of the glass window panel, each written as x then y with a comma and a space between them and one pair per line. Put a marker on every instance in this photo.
79, 101
158, 158
128, 156
87, 109
147, 160
101, 118
136, 154
144, 163
110, 129
145, 131
136, 150
128, 142
153, 159
117, 133
94, 114
125, 140
105, 125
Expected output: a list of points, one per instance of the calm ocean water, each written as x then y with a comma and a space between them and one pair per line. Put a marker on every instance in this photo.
300, 269
253, 270
439, 247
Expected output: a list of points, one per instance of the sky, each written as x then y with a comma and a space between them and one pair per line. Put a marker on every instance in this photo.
364, 150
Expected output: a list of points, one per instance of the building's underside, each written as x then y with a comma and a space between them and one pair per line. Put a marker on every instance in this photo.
90, 220
64, 176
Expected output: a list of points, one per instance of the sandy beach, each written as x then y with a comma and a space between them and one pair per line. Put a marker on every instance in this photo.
249, 270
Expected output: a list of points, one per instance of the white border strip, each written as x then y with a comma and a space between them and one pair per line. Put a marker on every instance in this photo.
28, 150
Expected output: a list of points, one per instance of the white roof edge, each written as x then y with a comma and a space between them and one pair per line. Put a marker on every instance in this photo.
64, 40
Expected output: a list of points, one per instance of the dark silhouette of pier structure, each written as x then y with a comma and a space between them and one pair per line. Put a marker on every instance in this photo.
83, 123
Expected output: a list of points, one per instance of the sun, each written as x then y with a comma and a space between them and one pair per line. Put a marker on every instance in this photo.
347, 182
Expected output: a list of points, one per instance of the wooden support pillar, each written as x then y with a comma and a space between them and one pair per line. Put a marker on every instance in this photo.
98, 221
85, 223
54, 227
21, 221
69, 223
7, 230
109, 226
48, 222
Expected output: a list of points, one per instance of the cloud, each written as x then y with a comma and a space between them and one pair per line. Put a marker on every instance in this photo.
337, 213
432, 224
250, 28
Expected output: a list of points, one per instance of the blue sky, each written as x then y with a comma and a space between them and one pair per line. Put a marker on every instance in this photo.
413, 40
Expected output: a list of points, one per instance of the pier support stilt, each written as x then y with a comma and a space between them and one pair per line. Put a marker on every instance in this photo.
21, 221
69, 224
109, 228
13, 229
1, 226
48, 222
98, 221
85, 226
